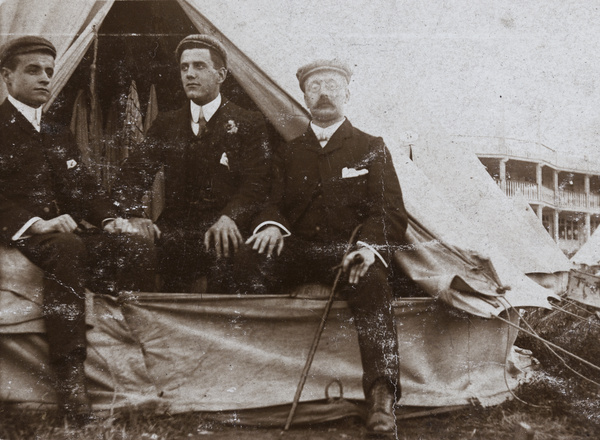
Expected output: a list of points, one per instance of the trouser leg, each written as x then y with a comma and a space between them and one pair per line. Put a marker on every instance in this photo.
62, 257
371, 303
120, 262
248, 272
300, 262
183, 258
180, 259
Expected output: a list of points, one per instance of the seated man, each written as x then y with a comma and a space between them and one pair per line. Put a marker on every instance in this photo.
45, 192
329, 181
215, 157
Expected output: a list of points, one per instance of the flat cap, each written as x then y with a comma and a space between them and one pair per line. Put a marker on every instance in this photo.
201, 41
334, 65
26, 44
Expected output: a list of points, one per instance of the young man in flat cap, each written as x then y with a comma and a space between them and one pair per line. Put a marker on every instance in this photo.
216, 166
45, 192
329, 181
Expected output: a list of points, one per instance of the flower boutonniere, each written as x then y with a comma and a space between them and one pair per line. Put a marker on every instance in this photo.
231, 127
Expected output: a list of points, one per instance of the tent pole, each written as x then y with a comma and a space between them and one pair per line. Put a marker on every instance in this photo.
319, 332
93, 128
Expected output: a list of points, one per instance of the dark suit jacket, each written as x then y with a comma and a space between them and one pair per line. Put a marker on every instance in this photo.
38, 178
314, 201
199, 185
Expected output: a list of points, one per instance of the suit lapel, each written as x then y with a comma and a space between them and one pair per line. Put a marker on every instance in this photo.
310, 141
183, 119
14, 117
215, 132
339, 137
222, 113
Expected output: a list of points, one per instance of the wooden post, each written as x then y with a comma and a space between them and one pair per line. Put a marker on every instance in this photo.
588, 226
556, 189
539, 181
502, 174
556, 232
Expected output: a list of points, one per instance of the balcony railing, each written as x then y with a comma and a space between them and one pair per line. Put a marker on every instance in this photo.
564, 199
547, 195
571, 199
528, 189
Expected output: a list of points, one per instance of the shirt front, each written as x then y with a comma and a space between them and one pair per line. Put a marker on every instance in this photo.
206, 110
323, 134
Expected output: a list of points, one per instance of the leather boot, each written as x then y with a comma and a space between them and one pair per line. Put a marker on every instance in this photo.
381, 419
73, 399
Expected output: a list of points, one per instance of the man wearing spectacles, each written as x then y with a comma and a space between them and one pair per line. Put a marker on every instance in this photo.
328, 181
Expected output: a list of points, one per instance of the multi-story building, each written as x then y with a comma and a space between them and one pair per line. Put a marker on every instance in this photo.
564, 190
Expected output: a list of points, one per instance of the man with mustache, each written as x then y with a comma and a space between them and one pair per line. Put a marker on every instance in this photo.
216, 166
45, 193
329, 181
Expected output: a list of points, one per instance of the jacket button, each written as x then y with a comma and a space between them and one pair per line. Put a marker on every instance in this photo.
46, 209
317, 228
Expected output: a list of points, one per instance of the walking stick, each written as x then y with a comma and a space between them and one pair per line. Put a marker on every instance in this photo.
317, 337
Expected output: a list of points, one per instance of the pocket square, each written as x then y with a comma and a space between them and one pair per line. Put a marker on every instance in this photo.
353, 172
224, 160
71, 164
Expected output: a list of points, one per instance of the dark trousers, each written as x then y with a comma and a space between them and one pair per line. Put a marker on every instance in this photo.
183, 258
102, 262
370, 301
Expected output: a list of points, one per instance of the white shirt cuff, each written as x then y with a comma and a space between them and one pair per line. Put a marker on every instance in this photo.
287, 233
105, 221
19, 235
371, 248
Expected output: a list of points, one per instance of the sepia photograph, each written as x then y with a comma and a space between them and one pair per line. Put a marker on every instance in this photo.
299, 219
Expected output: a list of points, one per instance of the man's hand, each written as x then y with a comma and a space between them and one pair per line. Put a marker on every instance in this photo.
269, 238
136, 226
62, 223
223, 233
358, 262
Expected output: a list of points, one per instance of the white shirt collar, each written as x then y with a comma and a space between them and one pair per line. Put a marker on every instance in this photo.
33, 115
324, 134
208, 110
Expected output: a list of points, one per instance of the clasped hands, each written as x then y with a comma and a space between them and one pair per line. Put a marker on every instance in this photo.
65, 223
355, 263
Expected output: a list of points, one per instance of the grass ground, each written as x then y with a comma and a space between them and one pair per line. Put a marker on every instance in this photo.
566, 409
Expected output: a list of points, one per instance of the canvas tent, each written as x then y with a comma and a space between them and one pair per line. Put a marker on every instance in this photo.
584, 282
589, 253
131, 350
506, 226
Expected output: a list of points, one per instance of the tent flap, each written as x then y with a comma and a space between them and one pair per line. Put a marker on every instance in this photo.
192, 352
